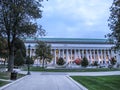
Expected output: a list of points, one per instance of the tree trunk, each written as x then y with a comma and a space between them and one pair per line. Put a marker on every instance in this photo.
43, 63
11, 59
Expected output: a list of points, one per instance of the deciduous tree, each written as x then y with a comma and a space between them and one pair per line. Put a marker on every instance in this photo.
17, 19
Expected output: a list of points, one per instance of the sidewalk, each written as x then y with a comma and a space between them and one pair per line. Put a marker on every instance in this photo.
44, 82
53, 80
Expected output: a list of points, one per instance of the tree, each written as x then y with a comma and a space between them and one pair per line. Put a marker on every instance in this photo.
84, 62
17, 20
114, 24
43, 51
19, 59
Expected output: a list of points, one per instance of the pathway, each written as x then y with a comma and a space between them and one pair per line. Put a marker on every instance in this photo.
37, 81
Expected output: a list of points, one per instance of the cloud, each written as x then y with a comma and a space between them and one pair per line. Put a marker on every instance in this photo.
71, 17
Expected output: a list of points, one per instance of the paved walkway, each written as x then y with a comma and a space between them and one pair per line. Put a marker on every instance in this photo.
44, 82
53, 80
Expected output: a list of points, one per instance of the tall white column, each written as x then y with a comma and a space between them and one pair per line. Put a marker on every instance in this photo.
55, 55
94, 55
90, 56
112, 52
63, 53
98, 55
74, 54
66, 55
71, 54
101, 52
105, 55
87, 56
108, 55
79, 53
82, 53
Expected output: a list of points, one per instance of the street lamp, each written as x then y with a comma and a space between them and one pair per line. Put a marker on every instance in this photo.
28, 61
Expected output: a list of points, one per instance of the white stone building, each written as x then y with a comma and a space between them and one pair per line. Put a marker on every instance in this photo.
72, 48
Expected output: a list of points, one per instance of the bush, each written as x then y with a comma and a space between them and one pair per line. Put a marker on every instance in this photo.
113, 61
60, 61
84, 62
95, 63
78, 61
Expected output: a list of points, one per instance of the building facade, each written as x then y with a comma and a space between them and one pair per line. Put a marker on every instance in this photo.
72, 48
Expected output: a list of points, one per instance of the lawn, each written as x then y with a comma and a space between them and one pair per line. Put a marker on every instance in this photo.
99, 82
3, 83
71, 70
6, 75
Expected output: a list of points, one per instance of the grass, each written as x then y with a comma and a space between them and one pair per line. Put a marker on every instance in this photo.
6, 75
2, 83
71, 70
99, 82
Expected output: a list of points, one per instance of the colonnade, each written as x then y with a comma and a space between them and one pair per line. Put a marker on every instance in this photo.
100, 55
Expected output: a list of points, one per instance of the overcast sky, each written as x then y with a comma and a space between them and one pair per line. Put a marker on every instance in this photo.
76, 18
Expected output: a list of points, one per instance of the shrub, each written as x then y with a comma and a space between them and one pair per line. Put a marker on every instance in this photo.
113, 61
60, 61
84, 62
95, 63
78, 61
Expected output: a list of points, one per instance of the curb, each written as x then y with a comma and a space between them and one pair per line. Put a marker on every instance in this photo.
78, 84
13, 82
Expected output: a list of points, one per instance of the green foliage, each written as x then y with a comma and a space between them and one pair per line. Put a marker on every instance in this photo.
16, 20
29, 60
95, 63
60, 61
114, 24
19, 59
43, 50
100, 82
3, 48
84, 62
113, 61
19, 45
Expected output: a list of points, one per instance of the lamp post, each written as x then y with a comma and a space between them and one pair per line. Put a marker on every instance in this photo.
28, 61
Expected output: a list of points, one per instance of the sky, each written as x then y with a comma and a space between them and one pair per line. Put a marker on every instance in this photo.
76, 18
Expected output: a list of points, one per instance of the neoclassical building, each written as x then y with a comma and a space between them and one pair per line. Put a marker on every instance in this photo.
72, 48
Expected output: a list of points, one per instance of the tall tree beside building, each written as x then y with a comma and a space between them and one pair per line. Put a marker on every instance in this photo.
114, 23
17, 19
